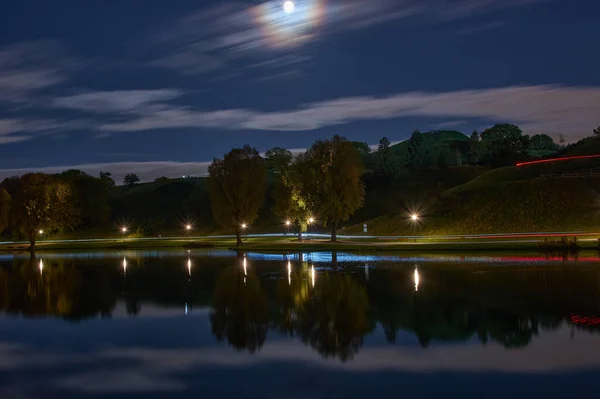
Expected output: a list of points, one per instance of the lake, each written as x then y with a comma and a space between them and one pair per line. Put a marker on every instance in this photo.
315, 325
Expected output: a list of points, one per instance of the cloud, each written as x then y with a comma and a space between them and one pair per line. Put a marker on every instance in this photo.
29, 67
294, 73
547, 109
213, 36
14, 130
147, 171
116, 101
479, 28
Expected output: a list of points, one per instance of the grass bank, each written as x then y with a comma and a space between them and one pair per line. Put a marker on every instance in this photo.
285, 244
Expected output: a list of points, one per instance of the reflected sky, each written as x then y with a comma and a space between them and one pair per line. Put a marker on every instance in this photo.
191, 324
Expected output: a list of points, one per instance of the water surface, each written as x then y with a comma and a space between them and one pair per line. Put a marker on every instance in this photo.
218, 324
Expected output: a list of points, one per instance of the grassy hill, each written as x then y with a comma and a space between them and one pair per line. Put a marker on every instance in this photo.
441, 141
508, 199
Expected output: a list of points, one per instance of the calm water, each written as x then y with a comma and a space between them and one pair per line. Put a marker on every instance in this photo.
321, 325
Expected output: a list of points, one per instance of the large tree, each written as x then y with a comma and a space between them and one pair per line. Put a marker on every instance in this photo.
504, 144
4, 208
331, 184
90, 196
40, 202
237, 184
542, 142
290, 205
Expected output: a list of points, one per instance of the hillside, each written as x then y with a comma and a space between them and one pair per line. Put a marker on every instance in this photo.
510, 199
441, 141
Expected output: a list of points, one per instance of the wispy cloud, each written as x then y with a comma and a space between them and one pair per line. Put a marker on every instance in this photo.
30, 67
294, 73
15, 130
116, 101
548, 109
213, 36
480, 28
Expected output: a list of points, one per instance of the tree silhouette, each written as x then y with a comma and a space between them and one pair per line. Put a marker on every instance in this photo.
40, 202
131, 179
331, 180
4, 208
237, 185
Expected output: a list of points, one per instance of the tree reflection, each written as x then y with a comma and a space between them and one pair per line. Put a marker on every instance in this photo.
240, 312
331, 317
35, 287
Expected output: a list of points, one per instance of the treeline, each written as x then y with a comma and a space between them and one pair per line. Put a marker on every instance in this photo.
325, 185
36, 204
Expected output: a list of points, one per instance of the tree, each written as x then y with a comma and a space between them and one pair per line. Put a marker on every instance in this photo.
418, 150
236, 185
361, 147
131, 178
597, 131
383, 158
40, 202
90, 197
107, 179
4, 208
289, 203
561, 139
504, 144
278, 159
542, 142
476, 147
330, 173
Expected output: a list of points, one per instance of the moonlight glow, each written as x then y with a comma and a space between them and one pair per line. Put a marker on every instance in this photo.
289, 7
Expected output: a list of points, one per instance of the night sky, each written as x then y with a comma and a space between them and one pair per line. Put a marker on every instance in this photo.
161, 87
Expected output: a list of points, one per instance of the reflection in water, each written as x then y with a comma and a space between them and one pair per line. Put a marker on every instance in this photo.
508, 305
416, 278
240, 310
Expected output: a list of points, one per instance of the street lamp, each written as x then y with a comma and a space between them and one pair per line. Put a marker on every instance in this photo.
188, 227
41, 232
288, 223
414, 217
123, 230
244, 226
311, 221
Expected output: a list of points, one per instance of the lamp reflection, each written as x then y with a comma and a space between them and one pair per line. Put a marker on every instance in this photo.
289, 266
189, 266
416, 278
41, 267
312, 274
245, 262
125, 265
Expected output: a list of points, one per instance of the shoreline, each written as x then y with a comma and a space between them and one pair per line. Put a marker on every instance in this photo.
279, 244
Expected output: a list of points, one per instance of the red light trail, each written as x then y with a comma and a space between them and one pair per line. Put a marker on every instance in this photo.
557, 159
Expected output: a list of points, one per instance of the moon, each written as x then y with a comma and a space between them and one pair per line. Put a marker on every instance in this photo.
289, 6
